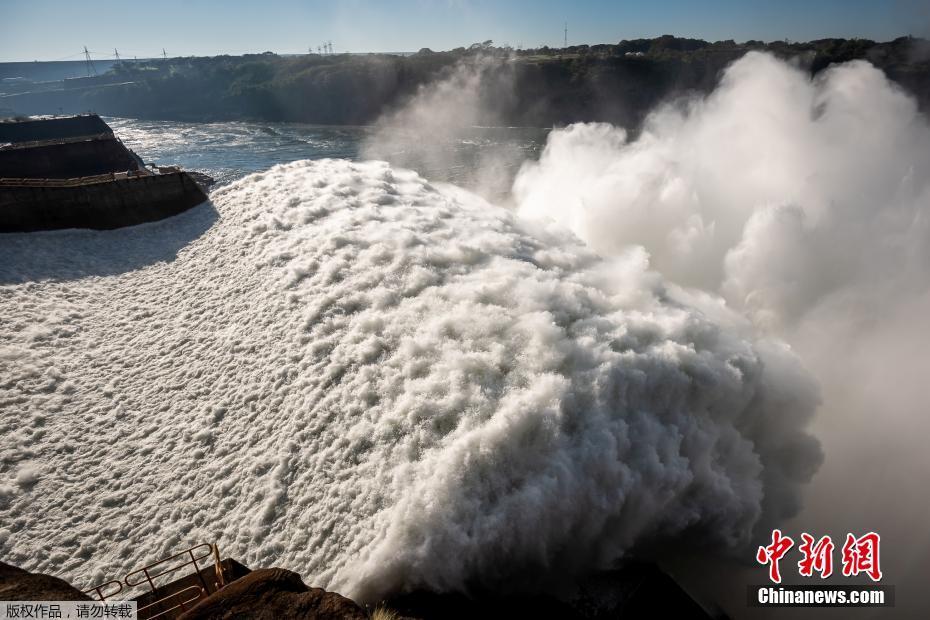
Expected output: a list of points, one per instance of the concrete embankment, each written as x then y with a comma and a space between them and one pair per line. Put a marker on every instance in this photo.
66, 160
101, 205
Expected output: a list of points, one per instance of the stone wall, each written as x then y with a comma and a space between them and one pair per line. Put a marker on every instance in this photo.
112, 204
67, 160
53, 128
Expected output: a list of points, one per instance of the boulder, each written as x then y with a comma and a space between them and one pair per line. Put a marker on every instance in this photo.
17, 584
274, 593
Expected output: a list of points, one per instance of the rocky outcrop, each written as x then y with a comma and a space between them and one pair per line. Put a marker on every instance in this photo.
636, 591
17, 584
274, 593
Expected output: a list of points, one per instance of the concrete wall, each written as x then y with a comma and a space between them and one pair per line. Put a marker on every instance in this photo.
53, 128
64, 161
113, 204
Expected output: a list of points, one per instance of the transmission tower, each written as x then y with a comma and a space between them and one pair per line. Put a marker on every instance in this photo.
565, 43
164, 55
89, 62
116, 53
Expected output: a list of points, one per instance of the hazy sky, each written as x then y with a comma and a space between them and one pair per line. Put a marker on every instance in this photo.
58, 29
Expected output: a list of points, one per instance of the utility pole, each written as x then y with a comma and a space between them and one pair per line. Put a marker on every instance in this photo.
89, 62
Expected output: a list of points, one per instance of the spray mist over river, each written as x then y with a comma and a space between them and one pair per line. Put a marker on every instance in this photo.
228, 151
384, 381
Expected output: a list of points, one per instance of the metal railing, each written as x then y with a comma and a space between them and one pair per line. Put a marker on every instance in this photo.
98, 590
181, 604
13, 146
147, 576
75, 181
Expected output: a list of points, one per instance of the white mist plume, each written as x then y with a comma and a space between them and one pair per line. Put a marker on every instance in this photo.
452, 125
804, 203
380, 384
777, 190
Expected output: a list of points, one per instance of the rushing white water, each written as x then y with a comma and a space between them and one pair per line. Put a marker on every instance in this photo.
383, 383
378, 383
804, 204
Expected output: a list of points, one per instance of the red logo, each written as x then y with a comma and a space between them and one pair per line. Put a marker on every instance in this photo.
860, 555
773, 553
817, 556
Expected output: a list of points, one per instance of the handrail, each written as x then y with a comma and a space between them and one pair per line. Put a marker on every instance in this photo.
180, 605
149, 578
147, 575
100, 594
12, 146
218, 568
74, 181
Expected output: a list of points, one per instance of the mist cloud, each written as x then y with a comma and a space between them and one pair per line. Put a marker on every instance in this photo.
803, 203
452, 126
777, 190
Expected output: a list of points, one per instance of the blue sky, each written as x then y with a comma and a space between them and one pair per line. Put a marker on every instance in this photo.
58, 29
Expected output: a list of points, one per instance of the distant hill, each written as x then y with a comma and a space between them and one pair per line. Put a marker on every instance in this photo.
617, 83
51, 70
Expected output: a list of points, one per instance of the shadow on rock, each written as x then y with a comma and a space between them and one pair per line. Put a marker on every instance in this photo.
637, 590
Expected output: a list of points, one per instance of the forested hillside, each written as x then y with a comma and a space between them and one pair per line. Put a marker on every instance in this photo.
537, 87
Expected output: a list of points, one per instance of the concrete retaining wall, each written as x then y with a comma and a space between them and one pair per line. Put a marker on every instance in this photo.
112, 204
53, 128
63, 161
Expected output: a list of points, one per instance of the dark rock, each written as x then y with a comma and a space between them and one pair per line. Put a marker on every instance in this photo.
274, 593
17, 584
636, 590
423, 605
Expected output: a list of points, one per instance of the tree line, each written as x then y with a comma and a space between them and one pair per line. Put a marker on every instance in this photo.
543, 86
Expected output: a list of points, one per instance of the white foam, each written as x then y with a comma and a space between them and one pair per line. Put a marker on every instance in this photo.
379, 383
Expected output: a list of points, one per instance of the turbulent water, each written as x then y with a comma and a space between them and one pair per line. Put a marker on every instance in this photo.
229, 151
381, 384
384, 381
